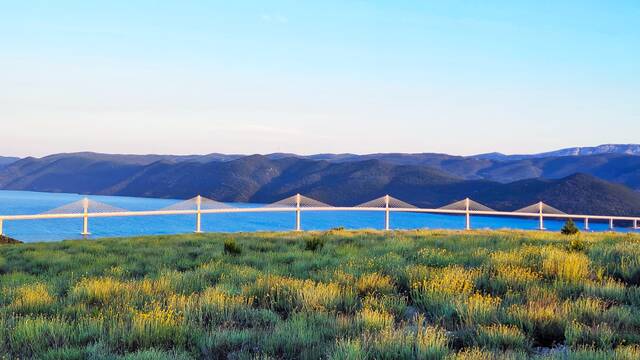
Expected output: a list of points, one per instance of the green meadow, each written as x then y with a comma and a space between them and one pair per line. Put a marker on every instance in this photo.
331, 295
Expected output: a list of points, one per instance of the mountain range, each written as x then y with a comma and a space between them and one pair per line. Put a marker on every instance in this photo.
627, 149
5, 160
599, 180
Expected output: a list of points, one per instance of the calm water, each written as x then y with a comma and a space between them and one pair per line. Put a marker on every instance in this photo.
23, 202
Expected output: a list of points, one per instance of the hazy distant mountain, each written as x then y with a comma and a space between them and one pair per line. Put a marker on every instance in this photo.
618, 168
614, 167
623, 169
131, 159
626, 149
266, 179
616, 163
4, 160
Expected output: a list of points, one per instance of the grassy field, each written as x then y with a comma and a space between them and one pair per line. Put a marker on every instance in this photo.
335, 295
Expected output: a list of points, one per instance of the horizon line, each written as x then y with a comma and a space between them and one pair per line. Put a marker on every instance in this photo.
315, 153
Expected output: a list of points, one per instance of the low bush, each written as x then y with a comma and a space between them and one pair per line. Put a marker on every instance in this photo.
421, 342
231, 247
478, 309
32, 299
439, 290
394, 304
375, 320
598, 336
564, 266
159, 326
374, 283
314, 243
543, 320
348, 349
287, 295
577, 244
501, 337
511, 277
620, 260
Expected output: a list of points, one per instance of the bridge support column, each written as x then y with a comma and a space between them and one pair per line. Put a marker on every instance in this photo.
386, 213
467, 215
611, 224
586, 223
298, 228
85, 218
1, 227
198, 214
541, 219
635, 224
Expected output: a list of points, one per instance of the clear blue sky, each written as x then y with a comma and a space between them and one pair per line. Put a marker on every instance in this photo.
181, 77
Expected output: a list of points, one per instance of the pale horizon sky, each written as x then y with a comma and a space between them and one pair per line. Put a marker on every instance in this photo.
196, 77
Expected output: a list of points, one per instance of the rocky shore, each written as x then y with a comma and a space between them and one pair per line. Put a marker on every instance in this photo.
8, 240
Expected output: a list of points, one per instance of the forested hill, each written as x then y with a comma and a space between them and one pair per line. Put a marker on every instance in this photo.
4, 161
266, 179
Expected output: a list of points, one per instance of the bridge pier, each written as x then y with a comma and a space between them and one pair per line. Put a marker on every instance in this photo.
541, 219
85, 226
586, 223
198, 214
467, 222
635, 224
386, 212
298, 228
1, 227
386, 220
611, 224
467, 215
85, 218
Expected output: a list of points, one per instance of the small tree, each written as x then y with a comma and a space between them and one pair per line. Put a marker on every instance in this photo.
569, 228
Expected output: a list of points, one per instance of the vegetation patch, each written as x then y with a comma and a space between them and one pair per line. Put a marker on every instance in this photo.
231, 247
314, 243
333, 295
569, 228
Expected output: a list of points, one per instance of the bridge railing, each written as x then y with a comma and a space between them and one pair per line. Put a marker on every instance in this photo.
86, 208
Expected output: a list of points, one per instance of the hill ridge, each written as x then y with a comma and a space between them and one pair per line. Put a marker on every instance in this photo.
259, 178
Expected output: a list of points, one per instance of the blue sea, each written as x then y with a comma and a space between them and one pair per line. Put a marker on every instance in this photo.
24, 202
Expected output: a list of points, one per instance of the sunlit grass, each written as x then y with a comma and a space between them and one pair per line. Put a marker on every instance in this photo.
501, 337
361, 295
374, 284
564, 265
478, 309
32, 298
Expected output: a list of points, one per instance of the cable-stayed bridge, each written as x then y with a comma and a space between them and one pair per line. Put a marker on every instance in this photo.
198, 206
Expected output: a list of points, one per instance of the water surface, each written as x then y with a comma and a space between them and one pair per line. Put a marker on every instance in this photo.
24, 202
